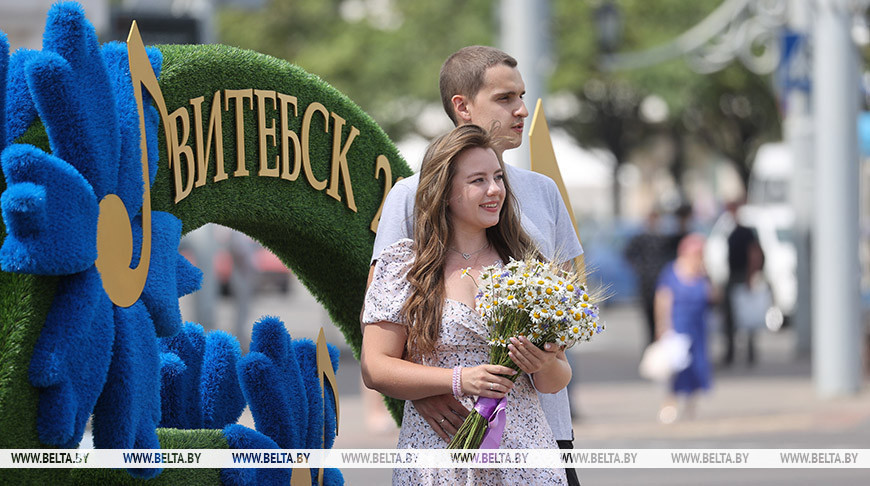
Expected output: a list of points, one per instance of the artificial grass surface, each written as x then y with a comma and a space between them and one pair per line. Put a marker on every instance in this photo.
24, 302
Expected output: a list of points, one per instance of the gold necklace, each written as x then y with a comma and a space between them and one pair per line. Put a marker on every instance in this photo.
467, 256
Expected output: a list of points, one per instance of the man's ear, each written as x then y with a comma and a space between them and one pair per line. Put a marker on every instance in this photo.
461, 108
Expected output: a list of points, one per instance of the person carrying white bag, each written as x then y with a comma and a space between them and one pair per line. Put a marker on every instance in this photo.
683, 297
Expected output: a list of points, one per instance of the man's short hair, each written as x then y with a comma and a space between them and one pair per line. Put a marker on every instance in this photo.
463, 72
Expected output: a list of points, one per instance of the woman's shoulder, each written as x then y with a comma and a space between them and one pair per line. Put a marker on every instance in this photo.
389, 286
401, 251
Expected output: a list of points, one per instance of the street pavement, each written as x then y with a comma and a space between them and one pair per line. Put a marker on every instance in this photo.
773, 404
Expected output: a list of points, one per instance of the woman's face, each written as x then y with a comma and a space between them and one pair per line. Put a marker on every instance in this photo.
477, 192
691, 250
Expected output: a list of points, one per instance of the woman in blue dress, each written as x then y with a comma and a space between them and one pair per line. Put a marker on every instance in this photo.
682, 300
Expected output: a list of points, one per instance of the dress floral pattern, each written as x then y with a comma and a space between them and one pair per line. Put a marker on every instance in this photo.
462, 341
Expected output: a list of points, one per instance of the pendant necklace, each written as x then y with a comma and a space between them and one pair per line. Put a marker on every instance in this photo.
467, 256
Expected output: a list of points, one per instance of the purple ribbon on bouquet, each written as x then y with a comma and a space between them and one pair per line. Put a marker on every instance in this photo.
493, 411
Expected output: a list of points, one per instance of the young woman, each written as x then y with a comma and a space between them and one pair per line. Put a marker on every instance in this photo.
423, 336
682, 302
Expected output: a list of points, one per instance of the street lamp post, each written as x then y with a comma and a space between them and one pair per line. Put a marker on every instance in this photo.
524, 32
608, 20
798, 134
608, 23
836, 317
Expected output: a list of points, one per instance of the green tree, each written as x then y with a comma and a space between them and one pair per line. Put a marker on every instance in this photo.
385, 55
385, 59
732, 111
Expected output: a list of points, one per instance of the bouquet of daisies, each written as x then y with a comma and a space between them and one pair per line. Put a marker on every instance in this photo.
529, 298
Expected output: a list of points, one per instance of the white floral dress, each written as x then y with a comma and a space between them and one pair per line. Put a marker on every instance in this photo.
462, 341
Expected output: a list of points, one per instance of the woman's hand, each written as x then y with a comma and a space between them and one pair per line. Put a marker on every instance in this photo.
529, 357
487, 381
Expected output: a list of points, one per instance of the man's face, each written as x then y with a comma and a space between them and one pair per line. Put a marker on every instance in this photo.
500, 100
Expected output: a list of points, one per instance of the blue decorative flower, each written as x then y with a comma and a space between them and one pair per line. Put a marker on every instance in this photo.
92, 356
293, 411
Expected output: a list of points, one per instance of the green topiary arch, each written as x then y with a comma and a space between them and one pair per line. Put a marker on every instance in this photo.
311, 196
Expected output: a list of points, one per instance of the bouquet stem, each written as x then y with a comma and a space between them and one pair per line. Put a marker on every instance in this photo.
470, 434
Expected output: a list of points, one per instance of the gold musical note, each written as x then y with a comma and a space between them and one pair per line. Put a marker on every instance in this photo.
301, 476
123, 284
324, 370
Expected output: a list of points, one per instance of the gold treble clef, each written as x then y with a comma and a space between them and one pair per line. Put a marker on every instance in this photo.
123, 284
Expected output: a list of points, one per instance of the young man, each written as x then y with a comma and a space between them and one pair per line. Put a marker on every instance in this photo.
482, 85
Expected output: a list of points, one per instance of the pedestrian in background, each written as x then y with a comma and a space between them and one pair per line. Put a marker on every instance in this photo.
647, 253
682, 302
744, 260
683, 218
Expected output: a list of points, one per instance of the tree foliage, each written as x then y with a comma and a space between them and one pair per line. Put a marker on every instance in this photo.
385, 55
732, 111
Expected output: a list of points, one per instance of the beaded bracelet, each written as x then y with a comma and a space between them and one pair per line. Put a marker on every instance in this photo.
457, 382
